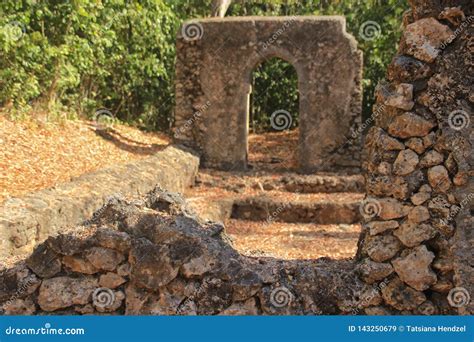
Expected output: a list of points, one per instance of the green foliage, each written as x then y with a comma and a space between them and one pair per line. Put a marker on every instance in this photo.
82, 55
87, 54
275, 87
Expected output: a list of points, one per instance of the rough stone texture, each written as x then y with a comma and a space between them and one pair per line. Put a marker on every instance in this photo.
406, 162
175, 264
213, 84
435, 230
419, 214
111, 280
439, 178
377, 227
431, 158
409, 125
382, 247
104, 258
423, 39
63, 292
399, 96
26, 221
325, 211
420, 198
414, 268
79, 265
392, 209
372, 272
416, 144
402, 297
412, 234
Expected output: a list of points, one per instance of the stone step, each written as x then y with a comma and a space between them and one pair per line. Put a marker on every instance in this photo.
292, 182
293, 241
316, 183
341, 208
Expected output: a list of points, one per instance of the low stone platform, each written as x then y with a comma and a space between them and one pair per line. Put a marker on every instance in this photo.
270, 213
294, 241
288, 181
329, 209
26, 221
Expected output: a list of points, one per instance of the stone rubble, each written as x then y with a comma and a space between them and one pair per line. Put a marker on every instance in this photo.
154, 257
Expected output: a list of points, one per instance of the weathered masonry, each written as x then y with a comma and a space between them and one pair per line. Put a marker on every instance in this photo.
215, 60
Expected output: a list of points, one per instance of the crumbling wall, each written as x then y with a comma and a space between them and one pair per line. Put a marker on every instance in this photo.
214, 64
418, 241
28, 220
152, 256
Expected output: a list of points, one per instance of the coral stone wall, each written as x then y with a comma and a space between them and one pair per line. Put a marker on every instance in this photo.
215, 61
418, 239
153, 257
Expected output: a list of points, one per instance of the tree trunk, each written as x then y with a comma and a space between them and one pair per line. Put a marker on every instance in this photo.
219, 7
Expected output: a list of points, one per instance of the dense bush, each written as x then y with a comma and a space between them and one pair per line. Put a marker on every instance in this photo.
82, 55
89, 54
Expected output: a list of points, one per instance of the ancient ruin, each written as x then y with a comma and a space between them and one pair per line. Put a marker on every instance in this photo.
419, 168
415, 255
215, 60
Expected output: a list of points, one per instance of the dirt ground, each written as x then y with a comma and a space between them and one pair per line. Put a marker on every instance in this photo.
294, 240
271, 156
35, 155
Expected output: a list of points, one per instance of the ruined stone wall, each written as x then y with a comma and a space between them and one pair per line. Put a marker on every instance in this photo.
28, 220
418, 241
215, 61
154, 257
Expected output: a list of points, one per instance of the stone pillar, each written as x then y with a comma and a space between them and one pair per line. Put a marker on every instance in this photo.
417, 243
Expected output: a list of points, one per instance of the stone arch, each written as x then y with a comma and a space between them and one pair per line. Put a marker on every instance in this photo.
212, 71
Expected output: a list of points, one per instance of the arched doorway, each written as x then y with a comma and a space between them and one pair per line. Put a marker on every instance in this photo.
213, 82
273, 116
